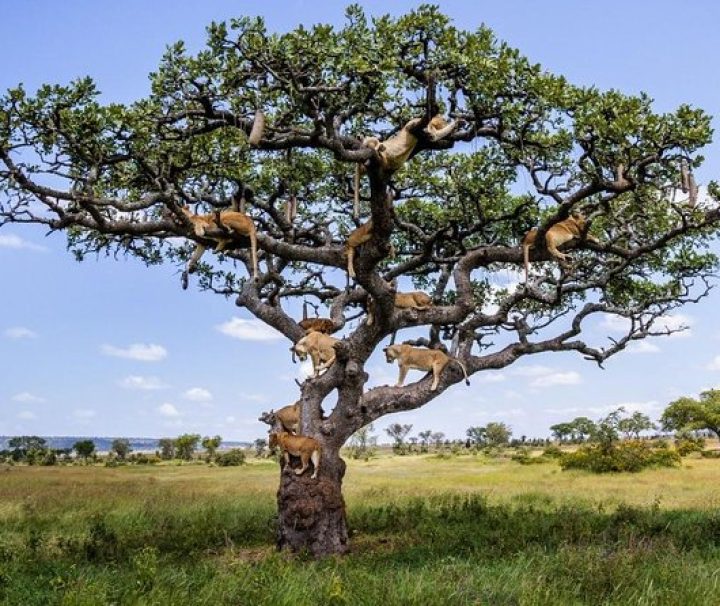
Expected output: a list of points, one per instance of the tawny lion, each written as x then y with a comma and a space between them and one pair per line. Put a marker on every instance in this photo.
308, 449
561, 233
236, 221
420, 358
288, 417
403, 300
396, 150
320, 348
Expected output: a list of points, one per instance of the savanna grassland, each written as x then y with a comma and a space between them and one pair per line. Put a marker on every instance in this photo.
425, 530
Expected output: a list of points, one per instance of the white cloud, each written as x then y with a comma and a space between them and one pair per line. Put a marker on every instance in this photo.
489, 377
142, 383
715, 364
84, 413
19, 332
248, 330
137, 351
229, 420
168, 410
650, 407
26, 415
16, 242
641, 347
26, 397
198, 394
535, 370
557, 378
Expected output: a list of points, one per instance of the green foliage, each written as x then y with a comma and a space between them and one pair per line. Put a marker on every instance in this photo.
121, 448
211, 445
84, 448
167, 448
687, 443
688, 414
629, 455
552, 451
186, 445
232, 458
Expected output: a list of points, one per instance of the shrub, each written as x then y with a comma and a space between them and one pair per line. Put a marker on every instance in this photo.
231, 458
687, 443
522, 455
553, 451
631, 455
710, 454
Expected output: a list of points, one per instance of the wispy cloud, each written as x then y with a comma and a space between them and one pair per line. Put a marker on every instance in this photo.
17, 243
19, 332
84, 413
642, 347
198, 394
650, 407
489, 376
26, 398
142, 383
168, 410
544, 376
137, 351
557, 378
248, 330
26, 415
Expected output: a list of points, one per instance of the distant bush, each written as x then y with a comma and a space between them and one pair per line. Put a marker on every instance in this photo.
524, 456
686, 444
140, 458
630, 455
553, 451
231, 458
710, 454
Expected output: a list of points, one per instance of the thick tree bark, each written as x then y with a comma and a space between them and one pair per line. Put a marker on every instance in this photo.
312, 511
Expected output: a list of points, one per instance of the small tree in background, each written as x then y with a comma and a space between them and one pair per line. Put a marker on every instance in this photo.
497, 434
634, 425
84, 449
437, 438
362, 443
121, 448
425, 437
398, 433
260, 445
693, 415
186, 445
211, 445
167, 448
562, 431
476, 435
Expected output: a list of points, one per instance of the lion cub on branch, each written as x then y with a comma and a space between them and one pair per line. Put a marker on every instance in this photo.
419, 358
568, 230
308, 449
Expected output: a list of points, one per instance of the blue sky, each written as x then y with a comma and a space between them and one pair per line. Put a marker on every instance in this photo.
112, 348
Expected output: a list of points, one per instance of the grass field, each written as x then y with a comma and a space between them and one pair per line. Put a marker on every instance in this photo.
425, 530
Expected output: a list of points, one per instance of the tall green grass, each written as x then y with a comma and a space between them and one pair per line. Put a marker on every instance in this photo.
201, 538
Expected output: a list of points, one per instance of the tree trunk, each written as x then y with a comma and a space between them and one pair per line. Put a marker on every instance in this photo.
312, 511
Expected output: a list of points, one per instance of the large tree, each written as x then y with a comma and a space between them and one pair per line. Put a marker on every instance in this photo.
529, 149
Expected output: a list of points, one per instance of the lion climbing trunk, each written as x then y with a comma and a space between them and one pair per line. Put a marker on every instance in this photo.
311, 511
